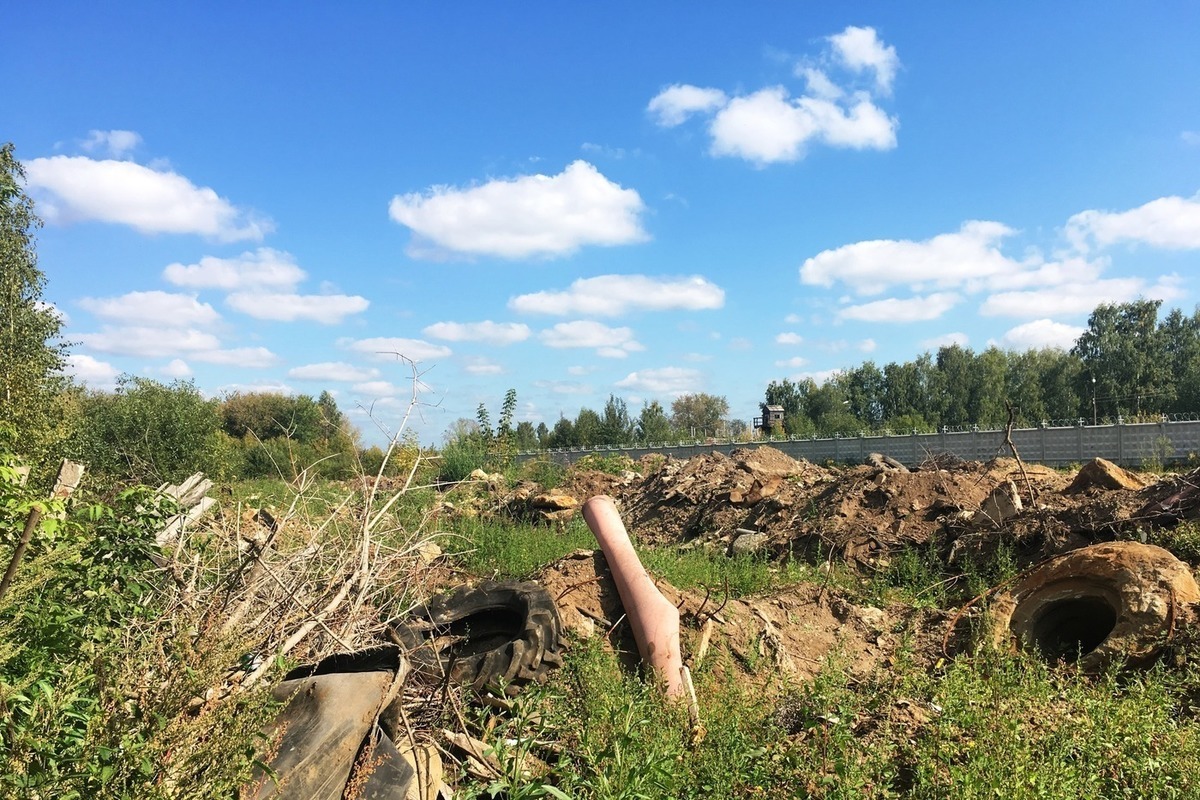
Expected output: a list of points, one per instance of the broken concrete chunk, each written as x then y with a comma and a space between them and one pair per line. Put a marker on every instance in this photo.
1002, 504
1106, 475
748, 543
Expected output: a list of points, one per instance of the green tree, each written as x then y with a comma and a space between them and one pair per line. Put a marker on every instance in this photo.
698, 414
615, 425
653, 425
1123, 352
149, 432
587, 428
32, 355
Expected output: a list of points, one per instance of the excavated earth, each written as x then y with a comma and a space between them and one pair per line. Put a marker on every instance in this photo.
761, 500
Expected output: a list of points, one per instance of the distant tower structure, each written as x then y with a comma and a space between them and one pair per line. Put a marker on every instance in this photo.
771, 419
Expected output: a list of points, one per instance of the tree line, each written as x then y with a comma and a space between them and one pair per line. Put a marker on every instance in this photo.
1127, 364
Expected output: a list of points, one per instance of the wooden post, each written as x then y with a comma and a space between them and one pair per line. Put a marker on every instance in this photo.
69, 476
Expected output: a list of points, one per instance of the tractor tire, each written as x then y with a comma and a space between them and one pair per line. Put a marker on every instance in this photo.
496, 634
1117, 602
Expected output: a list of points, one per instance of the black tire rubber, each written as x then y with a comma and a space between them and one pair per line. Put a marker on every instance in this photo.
487, 636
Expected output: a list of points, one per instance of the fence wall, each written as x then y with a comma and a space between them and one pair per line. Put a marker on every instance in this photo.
1132, 445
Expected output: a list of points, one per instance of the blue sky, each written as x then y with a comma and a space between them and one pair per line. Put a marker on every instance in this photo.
581, 200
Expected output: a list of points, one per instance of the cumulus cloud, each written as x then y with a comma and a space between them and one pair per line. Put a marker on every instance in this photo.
377, 389
111, 143
946, 340
1039, 334
1171, 223
867, 346
501, 333
387, 348
1077, 298
668, 381
246, 357
673, 105
91, 371
608, 342
148, 342
263, 268
860, 49
611, 295
770, 125
327, 309
946, 260
789, 338
152, 308
477, 365
332, 371
913, 309
564, 387
176, 368
795, 362
77, 189
524, 217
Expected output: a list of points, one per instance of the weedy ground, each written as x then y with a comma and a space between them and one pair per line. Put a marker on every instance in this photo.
123, 678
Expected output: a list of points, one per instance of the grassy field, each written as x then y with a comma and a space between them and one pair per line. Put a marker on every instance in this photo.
115, 674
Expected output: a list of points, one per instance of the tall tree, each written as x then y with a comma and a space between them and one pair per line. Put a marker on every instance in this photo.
615, 425
1124, 359
32, 355
699, 414
653, 424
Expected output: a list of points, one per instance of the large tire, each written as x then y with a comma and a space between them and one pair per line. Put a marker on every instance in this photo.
490, 635
1112, 602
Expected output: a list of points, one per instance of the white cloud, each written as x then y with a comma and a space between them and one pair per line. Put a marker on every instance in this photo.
246, 357
91, 371
609, 342
528, 216
378, 389
946, 260
673, 105
945, 340
867, 346
914, 309
258, 387
501, 333
795, 362
77, 189
332, 371
670, 381
789, 338
1039, 334
387, 348
819, 377
148, 342
263, 268
611, 295
769, 126
476, 365
152, 308
1172, 223
819, 84
1191, 138
580, 370
564, 387
327, 309
1077, 298
861, 49
111, 143
176, 368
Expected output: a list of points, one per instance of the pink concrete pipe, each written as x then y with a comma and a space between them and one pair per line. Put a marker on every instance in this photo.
655, 621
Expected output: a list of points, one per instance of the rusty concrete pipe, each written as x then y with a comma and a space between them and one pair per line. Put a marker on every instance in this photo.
654, 619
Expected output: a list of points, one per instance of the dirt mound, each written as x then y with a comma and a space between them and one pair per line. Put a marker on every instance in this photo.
794, 631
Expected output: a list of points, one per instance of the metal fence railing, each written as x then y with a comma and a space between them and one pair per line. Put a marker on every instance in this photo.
1168, 441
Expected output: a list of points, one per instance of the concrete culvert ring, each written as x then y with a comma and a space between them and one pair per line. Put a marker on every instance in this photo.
1111, 602
486, 635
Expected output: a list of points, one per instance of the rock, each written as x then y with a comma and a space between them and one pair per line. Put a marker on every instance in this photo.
1002, 504
477, 475
748, 543
880, 461
873, 618
554, 500
1106, 475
